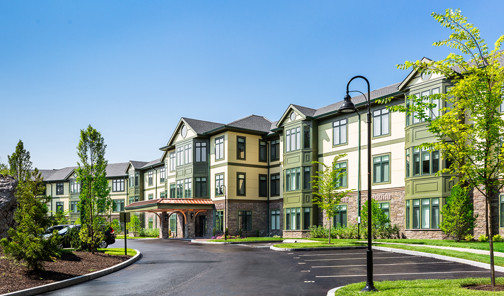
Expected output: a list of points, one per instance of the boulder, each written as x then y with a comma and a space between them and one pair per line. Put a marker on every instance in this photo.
8, 203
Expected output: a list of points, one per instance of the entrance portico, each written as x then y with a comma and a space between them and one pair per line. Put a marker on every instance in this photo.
197, 214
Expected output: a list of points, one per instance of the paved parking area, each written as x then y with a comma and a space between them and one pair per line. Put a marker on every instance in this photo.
342, 267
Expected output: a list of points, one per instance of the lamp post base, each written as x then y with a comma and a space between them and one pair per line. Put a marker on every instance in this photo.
369, 288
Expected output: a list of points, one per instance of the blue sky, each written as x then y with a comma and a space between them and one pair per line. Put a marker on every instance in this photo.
131, 69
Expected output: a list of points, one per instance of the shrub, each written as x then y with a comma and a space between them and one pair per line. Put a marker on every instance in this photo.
497, 238
318, 232
483, 238
153, 232
458, 218
134, 225
469, 238
116, 225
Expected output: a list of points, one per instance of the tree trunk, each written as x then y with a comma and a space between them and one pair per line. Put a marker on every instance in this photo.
490, 239
329, 231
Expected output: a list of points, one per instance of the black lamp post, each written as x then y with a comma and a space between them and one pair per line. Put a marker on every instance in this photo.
349, 107
223, 189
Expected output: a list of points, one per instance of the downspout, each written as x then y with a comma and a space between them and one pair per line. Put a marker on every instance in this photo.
268, 180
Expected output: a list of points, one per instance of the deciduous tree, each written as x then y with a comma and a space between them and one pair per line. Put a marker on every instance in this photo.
458, 218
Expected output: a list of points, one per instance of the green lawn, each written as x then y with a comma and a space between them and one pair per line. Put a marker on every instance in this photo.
249, 239
321, 243
498, 246
463, 255
133, 237
423, 287
117, 251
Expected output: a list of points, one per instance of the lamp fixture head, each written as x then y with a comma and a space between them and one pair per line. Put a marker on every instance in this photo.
347, 106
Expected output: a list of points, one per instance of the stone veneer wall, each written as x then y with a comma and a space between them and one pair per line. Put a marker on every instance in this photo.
479, 209
8, 204
259, 215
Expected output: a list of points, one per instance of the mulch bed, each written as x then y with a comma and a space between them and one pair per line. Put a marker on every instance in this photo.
14, 276
485, 287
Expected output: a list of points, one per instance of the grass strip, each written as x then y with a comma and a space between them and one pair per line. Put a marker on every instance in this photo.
423, 287
249, 239
316, 245
117, 251
499, 261
498, 246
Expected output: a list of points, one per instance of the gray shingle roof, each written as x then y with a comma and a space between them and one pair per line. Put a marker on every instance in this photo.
305, 110
252, 122
152, 163
117, 169
378, 93
57, 174
201, 126
137, 164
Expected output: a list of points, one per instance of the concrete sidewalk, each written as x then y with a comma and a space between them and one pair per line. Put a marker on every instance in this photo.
467, 250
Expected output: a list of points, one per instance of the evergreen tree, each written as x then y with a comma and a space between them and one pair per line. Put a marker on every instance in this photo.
379, 219
458, 218
94, 196
25, 242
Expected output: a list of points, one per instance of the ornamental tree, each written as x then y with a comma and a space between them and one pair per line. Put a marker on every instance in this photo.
458, 218
327, 188
94, 197
469, 126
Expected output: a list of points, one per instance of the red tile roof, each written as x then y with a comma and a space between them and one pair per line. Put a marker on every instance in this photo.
173, 201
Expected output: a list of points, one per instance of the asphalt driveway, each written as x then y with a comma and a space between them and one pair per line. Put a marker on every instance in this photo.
172, 267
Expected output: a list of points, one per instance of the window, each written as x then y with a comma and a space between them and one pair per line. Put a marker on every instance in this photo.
131, 180
180, 188
408, 116
275, 219
292, 179
306, 218
188, 188
381, 169
293, 218
340, 219
180, 156
416, 161
162, 194
263, 185
162, 175
407, 214
173, 190
381, 122
385, 207
219, 183
263, 151
188, 153
275, 150
425, 213
151, 223
407, 163
306, 137
240, 147
201, 187
59, 207
293, 139
275, 185
137, 179
75, 186
414, 114
74, 208
416, 214
151, 196
240, 184
150, 178
219, 221
118, 185
173, 224
201, 151
435, 213
219, 148
306, 178
172, 161
342, 181
133, 199
245, 220
339, 132
118, 205
435, 162
425, 162
59, 189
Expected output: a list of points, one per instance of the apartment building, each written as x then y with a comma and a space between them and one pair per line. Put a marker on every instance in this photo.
252, 176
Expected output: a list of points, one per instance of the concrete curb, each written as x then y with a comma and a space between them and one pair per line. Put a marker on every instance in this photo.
75, 280
314, 249
440, 257
194, 241
332, 291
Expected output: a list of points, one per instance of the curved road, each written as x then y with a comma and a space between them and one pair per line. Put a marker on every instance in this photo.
174, 267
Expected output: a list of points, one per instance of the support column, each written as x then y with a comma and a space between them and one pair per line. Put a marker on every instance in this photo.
164, 225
